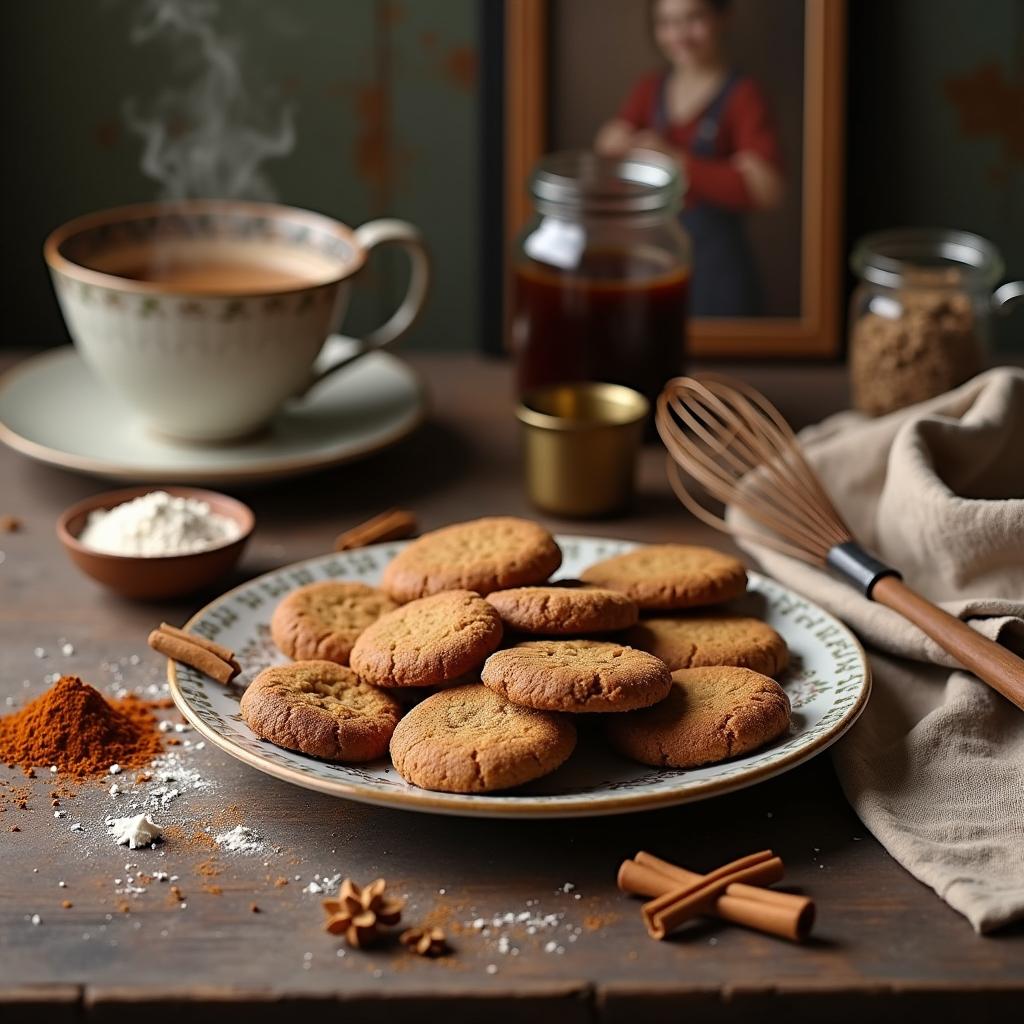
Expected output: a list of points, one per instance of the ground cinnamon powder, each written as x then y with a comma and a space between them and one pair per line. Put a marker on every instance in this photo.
75, 728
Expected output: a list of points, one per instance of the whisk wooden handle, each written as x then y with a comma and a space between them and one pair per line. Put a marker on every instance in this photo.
997, 666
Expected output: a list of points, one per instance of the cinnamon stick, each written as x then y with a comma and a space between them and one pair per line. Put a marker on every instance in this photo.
666, 912
753, 892
395, 524
193, 654
783, 914
222, 652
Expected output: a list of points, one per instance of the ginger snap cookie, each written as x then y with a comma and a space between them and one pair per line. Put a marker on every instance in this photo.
692, 641
482, 555
469, 740
576, 676
323, 620
320, 708
709, 715
564, 610
428, 642
670, 576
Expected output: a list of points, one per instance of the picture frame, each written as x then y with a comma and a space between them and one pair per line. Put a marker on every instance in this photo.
816, 330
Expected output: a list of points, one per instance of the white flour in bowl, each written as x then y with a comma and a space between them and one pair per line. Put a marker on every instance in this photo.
158, 524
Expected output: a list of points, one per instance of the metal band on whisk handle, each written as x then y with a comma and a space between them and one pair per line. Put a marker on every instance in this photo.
738, 447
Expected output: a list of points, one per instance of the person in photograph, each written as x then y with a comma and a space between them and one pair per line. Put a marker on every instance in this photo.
716, 122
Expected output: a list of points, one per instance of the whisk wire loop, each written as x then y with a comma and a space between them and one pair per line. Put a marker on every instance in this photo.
733, 443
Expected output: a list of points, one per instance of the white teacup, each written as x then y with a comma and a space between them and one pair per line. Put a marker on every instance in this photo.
207, 315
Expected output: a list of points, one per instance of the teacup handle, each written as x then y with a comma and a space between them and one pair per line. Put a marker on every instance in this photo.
370, 236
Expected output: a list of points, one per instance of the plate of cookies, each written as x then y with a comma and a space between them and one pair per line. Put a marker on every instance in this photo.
492, 669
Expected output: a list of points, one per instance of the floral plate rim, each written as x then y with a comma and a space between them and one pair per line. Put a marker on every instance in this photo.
491, 806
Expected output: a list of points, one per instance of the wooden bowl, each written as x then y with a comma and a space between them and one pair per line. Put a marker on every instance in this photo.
152, 577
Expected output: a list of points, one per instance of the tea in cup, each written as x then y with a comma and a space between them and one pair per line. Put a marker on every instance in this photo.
208, 315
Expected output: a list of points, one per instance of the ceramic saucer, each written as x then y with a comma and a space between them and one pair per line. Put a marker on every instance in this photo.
54, 410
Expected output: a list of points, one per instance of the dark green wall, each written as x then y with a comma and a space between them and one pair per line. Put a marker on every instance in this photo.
68, 66
935, 134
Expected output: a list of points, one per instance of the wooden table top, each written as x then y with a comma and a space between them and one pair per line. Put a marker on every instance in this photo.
884, 944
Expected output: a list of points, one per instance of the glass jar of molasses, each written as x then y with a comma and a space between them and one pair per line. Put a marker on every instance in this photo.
600, 274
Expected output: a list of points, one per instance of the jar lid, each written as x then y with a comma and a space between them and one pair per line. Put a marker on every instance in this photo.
886, 257
640, 181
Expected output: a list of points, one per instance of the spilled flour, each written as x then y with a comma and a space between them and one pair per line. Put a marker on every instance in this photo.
241, 839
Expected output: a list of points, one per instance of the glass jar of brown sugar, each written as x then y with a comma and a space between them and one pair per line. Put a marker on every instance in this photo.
600, 274
921, 315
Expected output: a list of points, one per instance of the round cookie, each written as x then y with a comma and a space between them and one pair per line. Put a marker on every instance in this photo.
322, 709
709, 715
428, 642
692, 641
469, 740
323, 620
670, 576
553, 611
482, 555
576, 676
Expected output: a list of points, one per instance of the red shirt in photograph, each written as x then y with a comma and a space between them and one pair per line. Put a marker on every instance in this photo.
746, 126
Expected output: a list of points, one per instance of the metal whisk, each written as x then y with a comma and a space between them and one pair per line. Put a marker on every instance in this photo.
737, 446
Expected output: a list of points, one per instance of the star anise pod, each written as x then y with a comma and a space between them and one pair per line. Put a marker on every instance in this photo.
359, 913
424, 941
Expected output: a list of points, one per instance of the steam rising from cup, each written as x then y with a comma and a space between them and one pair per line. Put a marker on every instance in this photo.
205, 137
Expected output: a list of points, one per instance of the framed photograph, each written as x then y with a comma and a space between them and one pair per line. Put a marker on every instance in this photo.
762, 145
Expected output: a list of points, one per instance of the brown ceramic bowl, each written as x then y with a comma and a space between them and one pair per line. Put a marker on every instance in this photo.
152, 577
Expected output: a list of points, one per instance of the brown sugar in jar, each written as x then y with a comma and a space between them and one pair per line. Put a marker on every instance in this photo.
920, 316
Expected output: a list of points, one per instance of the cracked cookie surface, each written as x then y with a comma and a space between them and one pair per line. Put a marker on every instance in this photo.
323, 620
671, 576
577, 676
469, 740
482, 555
710, 714
322, 709
564, 610
693, 641
428, 642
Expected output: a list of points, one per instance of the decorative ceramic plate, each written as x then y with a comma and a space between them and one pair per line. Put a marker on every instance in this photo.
828, 684
53, 409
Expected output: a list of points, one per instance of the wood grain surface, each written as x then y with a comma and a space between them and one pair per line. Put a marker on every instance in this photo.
884, 944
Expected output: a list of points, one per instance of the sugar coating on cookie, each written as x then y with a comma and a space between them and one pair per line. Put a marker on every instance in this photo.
323, 620
428, 642
470, 740
565, 610
577, 676
710, 714
692, 641
322, 709
481, 555
671, 576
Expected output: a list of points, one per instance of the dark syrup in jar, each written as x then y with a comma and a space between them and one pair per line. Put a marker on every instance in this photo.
618, 316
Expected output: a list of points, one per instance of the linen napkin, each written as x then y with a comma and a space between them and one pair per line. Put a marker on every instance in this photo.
935, 765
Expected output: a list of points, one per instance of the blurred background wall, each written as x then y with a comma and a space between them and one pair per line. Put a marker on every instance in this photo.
385, 103
389, 120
